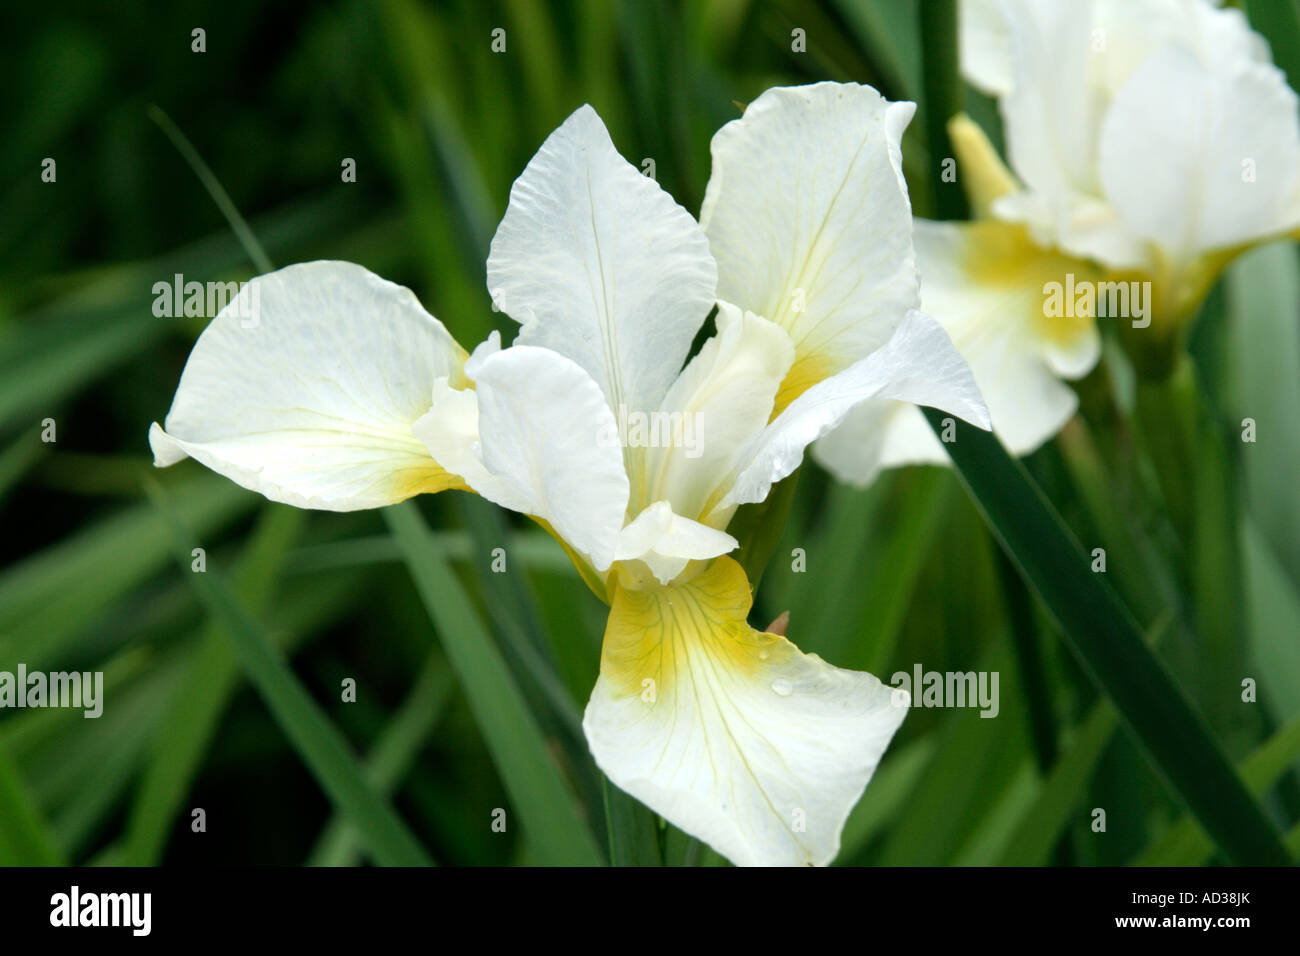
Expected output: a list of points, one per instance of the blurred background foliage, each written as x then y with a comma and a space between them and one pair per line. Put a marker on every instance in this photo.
201, 712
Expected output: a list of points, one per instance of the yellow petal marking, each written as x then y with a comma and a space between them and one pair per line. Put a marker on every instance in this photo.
808, 369
1001, 255
653, 635
424, 479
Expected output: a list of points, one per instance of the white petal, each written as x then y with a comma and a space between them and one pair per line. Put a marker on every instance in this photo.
667, 542
877, 435
1032, 402
548, 446
489, 346
1073, 63
1067, 58
1221, 40
731, 734
918, 364
983, 33
1052, 112
450, 431
304, 388
1081, 225
1197, 160
725, 398
601, 265
808, 216
984, 283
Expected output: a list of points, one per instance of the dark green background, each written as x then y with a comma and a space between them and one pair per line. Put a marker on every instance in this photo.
439, 126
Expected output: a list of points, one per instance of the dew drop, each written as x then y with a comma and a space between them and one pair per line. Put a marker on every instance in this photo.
782, 687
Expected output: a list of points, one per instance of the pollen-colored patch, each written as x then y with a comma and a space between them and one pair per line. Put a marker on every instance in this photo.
1002, 254
424, 479
654, 635
808, 369
983, 173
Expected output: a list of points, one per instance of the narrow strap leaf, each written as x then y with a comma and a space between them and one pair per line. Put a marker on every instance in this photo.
1108, 642
321, 745
551, 819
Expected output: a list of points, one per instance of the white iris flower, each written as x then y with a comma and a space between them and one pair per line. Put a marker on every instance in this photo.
346, 394
1151, 142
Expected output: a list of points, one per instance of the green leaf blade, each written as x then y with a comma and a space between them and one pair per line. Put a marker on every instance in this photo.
551, 819
1108, 643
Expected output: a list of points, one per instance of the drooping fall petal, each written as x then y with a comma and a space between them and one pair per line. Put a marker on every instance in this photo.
304, 388
732, 734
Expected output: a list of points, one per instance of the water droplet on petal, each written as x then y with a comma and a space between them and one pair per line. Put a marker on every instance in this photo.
782, 687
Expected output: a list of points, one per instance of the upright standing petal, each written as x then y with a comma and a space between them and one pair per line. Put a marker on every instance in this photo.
983, 36
305, 386
808, 217
536, 436
601, 265
729, 733
1051, 114
1219, 156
